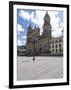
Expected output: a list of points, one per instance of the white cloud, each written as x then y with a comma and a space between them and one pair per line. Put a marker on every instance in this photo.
24, 15
18, 33
24, 42
57, 33
54, 20
19, 27
24, 37
56, 24
32, 15
20, 42
37, 18
39, 15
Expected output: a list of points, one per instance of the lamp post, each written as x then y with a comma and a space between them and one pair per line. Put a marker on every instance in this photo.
34, 40
33, 50
62, 32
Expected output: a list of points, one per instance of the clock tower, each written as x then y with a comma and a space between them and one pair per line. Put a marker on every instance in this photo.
47, 26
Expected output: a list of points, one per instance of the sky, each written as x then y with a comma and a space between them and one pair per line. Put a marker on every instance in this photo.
36, 18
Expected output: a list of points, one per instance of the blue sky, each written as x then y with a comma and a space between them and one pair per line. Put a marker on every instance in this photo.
36, 18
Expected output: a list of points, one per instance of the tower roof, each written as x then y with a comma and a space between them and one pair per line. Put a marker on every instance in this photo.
29, 28
47, 15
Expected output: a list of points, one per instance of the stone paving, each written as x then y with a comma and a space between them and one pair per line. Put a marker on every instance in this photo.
41, 68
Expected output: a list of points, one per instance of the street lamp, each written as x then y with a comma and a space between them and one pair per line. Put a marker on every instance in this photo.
62, 32
34, 40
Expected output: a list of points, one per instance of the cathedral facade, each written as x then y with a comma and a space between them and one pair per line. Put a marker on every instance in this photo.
37, 44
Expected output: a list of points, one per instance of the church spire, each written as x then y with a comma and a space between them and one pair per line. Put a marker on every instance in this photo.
29, 28
47, 25
46, 19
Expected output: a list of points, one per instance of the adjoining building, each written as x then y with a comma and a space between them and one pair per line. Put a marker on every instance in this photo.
43, 44
56, 45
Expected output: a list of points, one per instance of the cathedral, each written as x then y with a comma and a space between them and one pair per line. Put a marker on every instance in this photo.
44, 44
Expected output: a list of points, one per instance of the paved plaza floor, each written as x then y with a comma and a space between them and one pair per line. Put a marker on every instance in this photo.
41, 68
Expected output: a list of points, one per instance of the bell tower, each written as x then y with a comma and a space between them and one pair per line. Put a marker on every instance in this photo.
47, 26
29, 36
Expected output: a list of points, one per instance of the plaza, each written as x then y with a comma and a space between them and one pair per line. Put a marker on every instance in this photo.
48, 67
